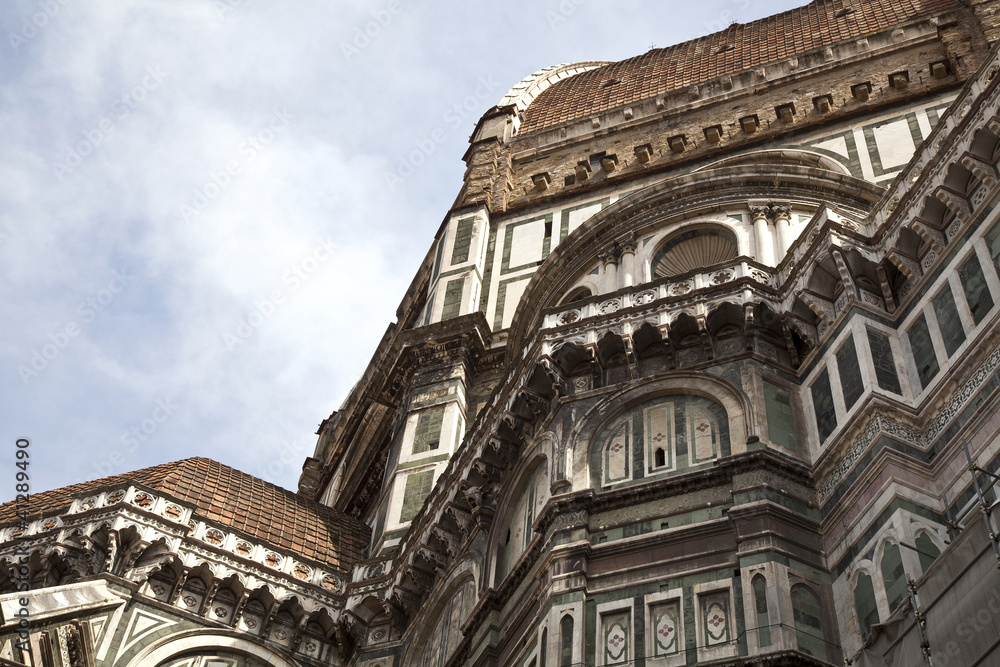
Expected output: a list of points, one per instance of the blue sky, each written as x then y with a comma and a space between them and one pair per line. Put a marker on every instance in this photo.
200, 243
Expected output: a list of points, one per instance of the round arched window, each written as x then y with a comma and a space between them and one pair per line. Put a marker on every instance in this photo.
692, 250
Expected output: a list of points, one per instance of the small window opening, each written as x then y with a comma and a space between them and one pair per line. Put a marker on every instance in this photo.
660, 457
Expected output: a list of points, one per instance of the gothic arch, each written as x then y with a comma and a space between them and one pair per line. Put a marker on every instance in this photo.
524, 496
176, 645
688, 248
440, 630
668, 206
732, 400
781, 156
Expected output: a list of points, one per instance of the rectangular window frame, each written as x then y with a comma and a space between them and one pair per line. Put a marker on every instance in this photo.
726, 649
848, 360
891, 384
824, 428
946, 313
979, 310
650, 602
922, 329
613, 608
402, 517
782, 387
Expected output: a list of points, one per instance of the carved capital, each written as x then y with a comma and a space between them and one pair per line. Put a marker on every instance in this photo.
628, 243
780, 212
611, 255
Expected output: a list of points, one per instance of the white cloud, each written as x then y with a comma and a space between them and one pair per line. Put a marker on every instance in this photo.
162, 96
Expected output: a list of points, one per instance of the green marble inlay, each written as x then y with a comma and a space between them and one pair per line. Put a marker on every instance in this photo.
826, 416
502, 300
923, 351
977, 292
453, 299
780, 419
418, 485
948, 320
852, 161
463, 241
564, 216
428, 432
505, 266
869, 131
851, 382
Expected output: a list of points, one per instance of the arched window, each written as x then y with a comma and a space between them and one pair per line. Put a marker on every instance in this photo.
443, 639
864, 604
893, 575
694, 250
661, 436
566, 641
659, 457
519, 529
808, 622
763, 619
544, 649
928, 551
252, 620
578, 295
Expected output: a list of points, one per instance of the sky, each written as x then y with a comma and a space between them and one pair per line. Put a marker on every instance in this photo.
211, 209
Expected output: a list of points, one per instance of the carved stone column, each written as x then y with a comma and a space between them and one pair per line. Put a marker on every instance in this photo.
628, 246
782, 215
609, 278
762, 234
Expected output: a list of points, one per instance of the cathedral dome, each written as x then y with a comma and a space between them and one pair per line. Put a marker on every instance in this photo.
738, 48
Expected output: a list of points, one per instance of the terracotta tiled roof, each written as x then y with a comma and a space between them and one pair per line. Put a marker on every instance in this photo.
741, 47
232, 498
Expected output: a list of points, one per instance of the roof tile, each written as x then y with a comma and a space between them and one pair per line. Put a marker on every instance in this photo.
753, 44
231, 498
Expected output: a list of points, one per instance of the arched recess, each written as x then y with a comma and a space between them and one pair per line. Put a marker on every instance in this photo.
160, 654
782, 157
566, 640
196, 588
579, 294
808, 617
163, 580
441, 624
223, 605
865, 604
255, 612
660, 433
734, 406
688, 197
759, 586
893, 574
519, 508
686, 339
694, 250
927, 549
285, 622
